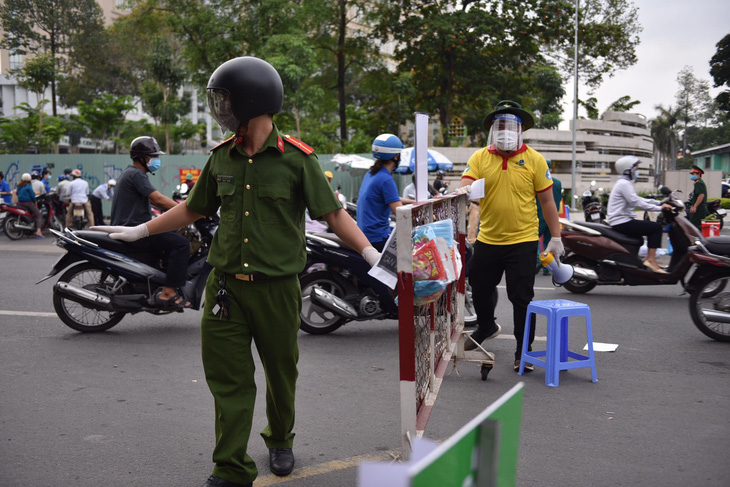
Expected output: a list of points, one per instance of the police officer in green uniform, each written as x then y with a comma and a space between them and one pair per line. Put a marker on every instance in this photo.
262, 181
698, 203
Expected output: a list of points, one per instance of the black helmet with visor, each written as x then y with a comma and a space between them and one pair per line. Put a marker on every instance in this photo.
243, 88
144, 146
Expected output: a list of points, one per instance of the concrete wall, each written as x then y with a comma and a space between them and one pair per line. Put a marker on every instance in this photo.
679, 180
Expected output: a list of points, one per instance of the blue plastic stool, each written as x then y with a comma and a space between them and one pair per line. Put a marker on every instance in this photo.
556, 354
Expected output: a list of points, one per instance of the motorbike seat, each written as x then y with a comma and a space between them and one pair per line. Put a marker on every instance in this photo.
102, 239
718, 245
334, 238
614, 235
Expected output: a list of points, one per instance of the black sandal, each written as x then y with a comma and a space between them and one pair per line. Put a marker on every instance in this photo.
170, 303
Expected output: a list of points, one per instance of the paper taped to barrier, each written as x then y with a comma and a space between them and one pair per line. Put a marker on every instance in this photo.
477, 189
385, 269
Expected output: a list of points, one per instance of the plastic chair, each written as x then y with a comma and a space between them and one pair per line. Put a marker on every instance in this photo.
556, 354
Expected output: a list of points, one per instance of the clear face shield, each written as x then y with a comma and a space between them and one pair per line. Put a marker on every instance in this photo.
506, 132
219, 102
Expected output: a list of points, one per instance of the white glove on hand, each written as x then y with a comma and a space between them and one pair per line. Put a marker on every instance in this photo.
555, 247
463, 190
371, 255
128, 234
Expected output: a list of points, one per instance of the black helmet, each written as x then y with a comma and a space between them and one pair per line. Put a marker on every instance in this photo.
144, 146
441, 172
243, 88
67, 171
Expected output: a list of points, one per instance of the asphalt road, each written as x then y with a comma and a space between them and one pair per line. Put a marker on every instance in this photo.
130, 407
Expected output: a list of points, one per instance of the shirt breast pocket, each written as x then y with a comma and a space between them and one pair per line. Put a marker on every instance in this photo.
274, 203
226, 193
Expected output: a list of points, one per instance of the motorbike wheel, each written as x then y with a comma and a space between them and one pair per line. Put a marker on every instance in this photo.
78, 316
315, 319
575, 285
11, 230
710, 308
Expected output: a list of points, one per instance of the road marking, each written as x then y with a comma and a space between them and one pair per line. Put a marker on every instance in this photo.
28, 313
327, 467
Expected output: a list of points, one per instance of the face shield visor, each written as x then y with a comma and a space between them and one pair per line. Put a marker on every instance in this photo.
219, 102
506, 132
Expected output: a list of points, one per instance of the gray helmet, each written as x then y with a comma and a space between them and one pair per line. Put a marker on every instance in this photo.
144, 146
243, 88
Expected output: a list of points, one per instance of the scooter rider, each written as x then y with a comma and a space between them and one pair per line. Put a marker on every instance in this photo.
261, 181
131, 206
621, 204
78, 193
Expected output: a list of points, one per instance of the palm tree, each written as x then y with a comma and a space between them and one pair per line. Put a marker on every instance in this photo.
665, 141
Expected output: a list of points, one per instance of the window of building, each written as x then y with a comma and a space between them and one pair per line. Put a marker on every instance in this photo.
708, 160
16, 61
457, 129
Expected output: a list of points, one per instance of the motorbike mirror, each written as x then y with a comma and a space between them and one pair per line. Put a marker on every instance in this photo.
600, 189
183, 188
593, 183
575, 196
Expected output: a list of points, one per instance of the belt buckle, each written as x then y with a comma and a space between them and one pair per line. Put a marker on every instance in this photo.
245, 277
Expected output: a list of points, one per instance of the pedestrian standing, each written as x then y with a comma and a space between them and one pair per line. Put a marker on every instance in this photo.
543, 229
102, 192
6, 196
514, 175
262, 181
698, 201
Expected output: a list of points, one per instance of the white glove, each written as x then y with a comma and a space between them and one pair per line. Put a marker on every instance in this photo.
128, 234
371, 255
555, 247
463, 190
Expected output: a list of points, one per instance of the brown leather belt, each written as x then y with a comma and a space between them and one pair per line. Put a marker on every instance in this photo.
257, 277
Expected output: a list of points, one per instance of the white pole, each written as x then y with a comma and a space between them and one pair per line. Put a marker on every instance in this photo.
575, 113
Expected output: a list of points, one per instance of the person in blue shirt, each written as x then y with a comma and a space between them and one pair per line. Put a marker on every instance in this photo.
378, 195
26, 198
6, 195
45, 179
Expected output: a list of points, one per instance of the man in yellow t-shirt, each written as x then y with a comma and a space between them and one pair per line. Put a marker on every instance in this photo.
508, 226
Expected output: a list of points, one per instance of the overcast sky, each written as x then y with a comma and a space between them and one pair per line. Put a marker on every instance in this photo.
676, 33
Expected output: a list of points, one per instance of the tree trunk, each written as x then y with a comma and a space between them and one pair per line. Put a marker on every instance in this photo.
341, 73
295, 111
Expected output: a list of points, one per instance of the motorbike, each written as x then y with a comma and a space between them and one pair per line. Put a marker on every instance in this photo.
715, 210
602, 256
593, 210
80, 219
337, 289
19, 221
709, 302
106, 279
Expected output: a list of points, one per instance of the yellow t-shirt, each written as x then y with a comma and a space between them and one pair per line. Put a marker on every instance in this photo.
508, 211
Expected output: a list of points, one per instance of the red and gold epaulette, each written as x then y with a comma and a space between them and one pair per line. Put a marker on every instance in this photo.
299, 144
227, 140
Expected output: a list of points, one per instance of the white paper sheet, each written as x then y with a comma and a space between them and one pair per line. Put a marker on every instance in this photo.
603, 347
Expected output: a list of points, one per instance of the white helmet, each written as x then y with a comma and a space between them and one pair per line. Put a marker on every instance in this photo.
112, 182
25, 177
625, 164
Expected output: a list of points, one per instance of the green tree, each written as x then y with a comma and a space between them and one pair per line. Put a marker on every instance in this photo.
22, 134
720, 72
693, 103
54, 27
159, 94
104, 117
35, 76
664, 134
623, 104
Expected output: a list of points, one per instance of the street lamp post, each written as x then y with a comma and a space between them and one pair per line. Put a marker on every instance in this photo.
575, 111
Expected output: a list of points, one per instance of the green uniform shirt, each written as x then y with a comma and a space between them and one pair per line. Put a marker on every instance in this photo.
262, 201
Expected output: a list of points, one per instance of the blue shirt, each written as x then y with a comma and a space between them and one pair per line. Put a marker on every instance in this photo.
26, 193
5, 187
47, 185
373, 205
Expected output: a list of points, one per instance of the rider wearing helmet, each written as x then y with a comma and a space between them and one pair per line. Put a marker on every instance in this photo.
378, 195
262, 181
78, 193
38, 185
27, 199
439, 183
621, 204
133, 196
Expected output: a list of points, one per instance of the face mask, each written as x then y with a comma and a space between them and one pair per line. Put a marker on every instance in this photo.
506, 133
506, 140
154, 164
693, 177
634, 175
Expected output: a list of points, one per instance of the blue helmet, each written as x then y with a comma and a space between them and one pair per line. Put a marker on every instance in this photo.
387, 146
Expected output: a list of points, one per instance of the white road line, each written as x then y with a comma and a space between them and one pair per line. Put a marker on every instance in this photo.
28, 313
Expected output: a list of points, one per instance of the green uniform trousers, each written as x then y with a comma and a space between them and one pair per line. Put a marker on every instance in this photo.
267, 313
